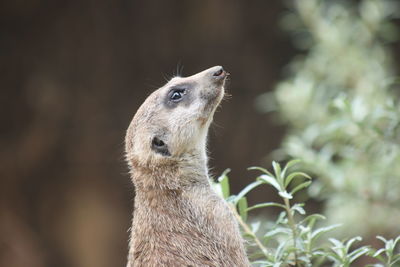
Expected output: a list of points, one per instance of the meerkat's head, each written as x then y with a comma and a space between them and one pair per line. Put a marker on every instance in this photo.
173, 121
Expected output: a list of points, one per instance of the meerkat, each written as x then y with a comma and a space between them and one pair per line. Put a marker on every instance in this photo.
178, 219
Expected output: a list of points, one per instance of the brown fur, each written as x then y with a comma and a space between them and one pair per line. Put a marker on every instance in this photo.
178, 219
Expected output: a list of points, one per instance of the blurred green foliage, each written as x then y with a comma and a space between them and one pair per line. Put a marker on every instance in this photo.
340, 103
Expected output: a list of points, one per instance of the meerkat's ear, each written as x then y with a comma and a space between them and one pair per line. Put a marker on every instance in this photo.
159, 146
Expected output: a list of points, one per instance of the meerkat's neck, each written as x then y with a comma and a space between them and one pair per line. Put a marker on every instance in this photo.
187, 172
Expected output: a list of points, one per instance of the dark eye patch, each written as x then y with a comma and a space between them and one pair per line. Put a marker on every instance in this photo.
181, 93
160, 146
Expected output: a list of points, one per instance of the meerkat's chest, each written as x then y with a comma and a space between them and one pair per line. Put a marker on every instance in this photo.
190, 229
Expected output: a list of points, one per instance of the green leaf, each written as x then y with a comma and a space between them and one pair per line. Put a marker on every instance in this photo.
290, 164
299, 208
266, 204
262, 263
334, 257
245, 190
278, 230
381, 238
242, 206
396, 240
277, 170
285, 194
377, 253
317, 233
358, 253
304, 231
270, 180
224, 183
300, 186
312, 218
336, 242
281, 218
351, 241
261, 169
290, 177
389, 245
248, 235
280, 250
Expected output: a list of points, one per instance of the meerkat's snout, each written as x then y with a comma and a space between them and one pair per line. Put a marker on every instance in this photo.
216, 74
220, 73
211, 84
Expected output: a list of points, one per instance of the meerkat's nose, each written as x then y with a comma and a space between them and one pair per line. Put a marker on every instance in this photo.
219, 72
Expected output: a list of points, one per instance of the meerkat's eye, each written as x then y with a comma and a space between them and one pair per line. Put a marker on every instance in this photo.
159, 146
158, 142
176, 94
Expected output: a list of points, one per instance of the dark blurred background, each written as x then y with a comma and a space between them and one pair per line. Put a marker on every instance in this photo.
73, 73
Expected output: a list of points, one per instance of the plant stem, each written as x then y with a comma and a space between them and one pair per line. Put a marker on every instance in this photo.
248, 231
292, 225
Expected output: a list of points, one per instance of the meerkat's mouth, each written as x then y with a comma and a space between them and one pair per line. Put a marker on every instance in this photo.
213, 94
